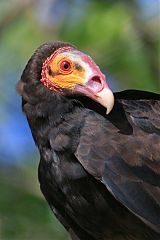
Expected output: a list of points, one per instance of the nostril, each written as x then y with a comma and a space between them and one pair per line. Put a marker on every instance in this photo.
95, 83
96, 79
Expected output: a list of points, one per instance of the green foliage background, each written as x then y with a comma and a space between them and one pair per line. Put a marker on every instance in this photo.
118, 38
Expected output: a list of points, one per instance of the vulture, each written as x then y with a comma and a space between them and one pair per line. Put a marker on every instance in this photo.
99, 151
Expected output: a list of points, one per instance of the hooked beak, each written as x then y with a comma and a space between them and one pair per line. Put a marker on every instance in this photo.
97, 89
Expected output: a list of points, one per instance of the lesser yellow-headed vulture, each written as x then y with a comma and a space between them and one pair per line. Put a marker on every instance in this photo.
100, 173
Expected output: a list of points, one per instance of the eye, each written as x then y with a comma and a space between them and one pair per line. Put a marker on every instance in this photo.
65, 66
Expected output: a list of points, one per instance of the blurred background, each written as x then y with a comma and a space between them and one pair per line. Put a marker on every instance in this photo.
121, 36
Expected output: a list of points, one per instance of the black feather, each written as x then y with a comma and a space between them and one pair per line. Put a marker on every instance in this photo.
100, 174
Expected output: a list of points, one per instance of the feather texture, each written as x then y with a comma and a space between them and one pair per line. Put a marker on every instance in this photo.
100, 174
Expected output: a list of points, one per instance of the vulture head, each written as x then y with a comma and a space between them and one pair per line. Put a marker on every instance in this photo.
60, 68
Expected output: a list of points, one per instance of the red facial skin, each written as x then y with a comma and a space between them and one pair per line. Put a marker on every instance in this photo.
87, 79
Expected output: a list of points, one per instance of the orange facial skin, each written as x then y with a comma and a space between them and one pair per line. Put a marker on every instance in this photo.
65, 78
70, 69
64, 69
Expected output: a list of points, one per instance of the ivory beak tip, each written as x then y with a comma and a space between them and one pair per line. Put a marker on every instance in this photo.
106, 99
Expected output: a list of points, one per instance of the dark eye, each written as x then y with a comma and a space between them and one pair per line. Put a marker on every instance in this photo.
65, 66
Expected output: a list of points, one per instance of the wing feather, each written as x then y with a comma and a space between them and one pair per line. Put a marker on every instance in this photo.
123, 152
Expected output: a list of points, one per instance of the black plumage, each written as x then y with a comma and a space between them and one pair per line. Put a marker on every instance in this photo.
99, 173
